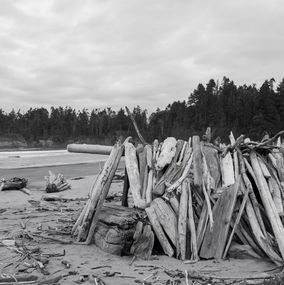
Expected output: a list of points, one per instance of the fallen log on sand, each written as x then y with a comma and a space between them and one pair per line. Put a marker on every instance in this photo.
89, 148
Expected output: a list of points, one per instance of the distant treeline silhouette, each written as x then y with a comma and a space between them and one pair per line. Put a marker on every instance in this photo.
225, 107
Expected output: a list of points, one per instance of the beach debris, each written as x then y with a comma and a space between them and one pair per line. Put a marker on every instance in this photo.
53, 198
14, 183
18, 279
56, 183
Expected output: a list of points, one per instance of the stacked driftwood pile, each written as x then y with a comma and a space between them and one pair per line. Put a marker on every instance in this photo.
200, 197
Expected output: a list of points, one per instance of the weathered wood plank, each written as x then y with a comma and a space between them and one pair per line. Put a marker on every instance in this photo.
215, 241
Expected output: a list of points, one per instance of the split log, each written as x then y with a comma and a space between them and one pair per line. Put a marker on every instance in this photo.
159, 231
133, 175
267, 201
89, 148
215, 241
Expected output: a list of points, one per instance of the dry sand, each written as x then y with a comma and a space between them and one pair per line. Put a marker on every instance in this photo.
17, 207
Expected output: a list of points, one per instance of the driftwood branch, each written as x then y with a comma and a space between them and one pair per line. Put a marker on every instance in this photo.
135, 126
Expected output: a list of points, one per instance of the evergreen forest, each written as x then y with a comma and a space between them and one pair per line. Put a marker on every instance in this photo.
224, 107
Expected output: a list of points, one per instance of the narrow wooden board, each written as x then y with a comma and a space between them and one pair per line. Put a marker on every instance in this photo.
215, 241
197, 161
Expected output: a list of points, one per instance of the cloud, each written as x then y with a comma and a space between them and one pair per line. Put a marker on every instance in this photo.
96, 53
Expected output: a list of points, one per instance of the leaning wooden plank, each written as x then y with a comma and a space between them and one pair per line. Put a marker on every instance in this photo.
253, 198
276, 194
259, 237
263, 167
202, 224
235, 155
79, 220
89, 148
106, 182
182, 219
95, 193
267, 201
215, 241
191, 224
159, 231
175, 204
186, 170
135, 126
207, 183
170, 172
141, 151
143, 244
197, 161
212, 160
124, 199
133, 175
149, 187
236, 223
227, 170
167, 219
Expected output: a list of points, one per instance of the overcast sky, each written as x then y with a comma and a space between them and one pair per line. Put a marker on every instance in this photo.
96, 54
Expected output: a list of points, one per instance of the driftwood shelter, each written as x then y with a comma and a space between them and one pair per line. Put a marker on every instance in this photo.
195, 198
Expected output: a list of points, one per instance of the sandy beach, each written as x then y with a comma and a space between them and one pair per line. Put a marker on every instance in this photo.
18, 210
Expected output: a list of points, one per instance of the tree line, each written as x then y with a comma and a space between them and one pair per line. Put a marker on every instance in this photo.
224, 107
